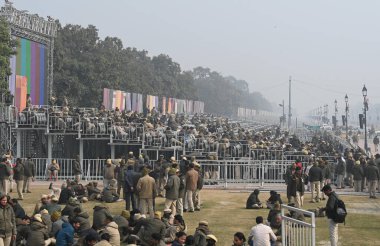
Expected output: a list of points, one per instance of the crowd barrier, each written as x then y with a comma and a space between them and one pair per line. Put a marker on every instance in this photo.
240, 171
297, 232
227, 171
92, 168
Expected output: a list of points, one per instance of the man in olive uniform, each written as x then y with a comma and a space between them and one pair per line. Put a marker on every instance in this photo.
19, 177
29, 173
120, 169
77, 170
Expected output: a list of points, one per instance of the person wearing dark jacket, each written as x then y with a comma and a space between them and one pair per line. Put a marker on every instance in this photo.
172, 191
181, 193
66, 235
197, 193
130, 181
151, 226
5, 172
340, 171
66, 194
18, 210
297, 188
201, 232
329, 209
350, 165
99, 217
77, 170
315, 179
253, 201
109, 193
287, 179
273, 198
69, 208
52, 206
358, 174
326, 174
373, 176
8, 229
19, 177
38, 232
83, 219
94, 193
29, 173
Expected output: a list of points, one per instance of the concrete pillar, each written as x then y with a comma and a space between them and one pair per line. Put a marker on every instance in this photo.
18, 143
50, 148
113, 152
81, 155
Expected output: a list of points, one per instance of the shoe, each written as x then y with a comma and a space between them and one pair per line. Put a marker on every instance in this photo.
323, 199
23, 191
374, 197
185, 210
191, 211
10, 190
51, 186
197, 209
28, 191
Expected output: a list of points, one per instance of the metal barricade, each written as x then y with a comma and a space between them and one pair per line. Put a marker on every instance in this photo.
266, 154
296, 232
93, 169
128, 133
95, 127
8, 114
42, 168
32, 119
244, 170
63, 124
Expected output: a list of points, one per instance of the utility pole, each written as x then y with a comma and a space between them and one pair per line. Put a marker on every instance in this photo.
290, 102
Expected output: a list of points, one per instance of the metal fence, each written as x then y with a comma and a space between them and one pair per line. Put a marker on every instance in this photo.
296, 232
92, 168
240, 171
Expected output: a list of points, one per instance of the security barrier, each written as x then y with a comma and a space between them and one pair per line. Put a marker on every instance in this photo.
296, 232
240, 171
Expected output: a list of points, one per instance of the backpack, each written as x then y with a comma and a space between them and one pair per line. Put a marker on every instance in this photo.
340, 212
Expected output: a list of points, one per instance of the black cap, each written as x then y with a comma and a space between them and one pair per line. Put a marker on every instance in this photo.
326, 187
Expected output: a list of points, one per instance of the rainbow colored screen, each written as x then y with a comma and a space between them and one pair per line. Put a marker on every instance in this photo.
30, 62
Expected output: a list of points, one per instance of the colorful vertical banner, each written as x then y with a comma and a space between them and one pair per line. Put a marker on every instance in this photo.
163, 108
21, 92
30, 62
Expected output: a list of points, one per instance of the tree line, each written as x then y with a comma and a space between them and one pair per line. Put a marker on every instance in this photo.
84, 64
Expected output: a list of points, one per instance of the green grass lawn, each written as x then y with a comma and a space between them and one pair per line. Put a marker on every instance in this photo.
224, 210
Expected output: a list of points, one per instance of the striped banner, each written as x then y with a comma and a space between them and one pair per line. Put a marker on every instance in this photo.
21, 92
30, 62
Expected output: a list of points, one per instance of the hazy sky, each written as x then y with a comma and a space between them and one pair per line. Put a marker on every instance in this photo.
330, 48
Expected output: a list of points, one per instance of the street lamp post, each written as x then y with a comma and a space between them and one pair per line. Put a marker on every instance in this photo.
283, 112
364, 92
336, 113
346, 100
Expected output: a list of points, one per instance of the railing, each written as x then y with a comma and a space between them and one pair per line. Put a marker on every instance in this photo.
266, 154
8, 114
128, 133
296, 232
92, 168
244, 170
32, 118
95, 127
63, 124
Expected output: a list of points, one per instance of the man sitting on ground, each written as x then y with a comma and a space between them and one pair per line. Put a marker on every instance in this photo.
253, 201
